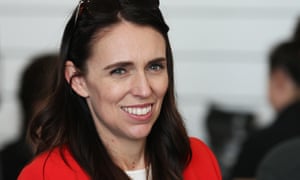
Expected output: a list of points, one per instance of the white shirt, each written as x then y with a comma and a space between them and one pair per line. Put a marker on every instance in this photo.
139, 174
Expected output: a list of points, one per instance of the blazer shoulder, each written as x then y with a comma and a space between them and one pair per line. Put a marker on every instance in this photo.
55, 164
203, 164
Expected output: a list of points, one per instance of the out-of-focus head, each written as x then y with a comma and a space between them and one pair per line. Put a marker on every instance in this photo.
35, 84
284, 79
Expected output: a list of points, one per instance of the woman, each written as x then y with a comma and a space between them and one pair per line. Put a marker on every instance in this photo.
112, 114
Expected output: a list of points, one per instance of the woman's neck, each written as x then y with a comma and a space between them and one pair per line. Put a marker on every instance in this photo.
127, 154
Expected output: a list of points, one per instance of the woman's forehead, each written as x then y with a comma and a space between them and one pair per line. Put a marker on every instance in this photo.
127, 41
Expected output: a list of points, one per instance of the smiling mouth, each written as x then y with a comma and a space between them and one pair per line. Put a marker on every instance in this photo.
138, 111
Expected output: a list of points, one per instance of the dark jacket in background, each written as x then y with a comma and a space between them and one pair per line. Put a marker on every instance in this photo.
285, 127
13, 158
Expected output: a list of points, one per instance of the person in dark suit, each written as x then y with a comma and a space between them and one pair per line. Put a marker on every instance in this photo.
34, 87
284, 95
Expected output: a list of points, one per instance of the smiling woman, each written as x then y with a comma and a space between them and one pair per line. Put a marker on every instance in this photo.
124, 97
113, 113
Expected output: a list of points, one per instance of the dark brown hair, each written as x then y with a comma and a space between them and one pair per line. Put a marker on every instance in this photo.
286, 56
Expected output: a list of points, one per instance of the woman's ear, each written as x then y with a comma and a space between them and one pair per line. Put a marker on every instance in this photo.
77, 82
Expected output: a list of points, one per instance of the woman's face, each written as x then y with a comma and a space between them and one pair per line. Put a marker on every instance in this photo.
126, 81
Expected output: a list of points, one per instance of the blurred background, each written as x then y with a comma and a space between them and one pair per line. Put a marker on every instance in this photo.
220, 51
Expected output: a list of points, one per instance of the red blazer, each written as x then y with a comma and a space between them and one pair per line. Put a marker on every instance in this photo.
202, 166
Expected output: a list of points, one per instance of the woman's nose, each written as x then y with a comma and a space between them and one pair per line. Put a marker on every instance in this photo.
141, 86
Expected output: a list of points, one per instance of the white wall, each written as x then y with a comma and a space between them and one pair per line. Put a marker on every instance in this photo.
220, 49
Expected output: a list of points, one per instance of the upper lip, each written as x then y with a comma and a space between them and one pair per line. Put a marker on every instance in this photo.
138, 105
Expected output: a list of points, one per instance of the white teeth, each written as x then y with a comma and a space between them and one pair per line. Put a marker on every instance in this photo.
137, 111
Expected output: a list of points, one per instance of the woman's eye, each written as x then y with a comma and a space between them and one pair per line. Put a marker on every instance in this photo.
156, 67
118, 71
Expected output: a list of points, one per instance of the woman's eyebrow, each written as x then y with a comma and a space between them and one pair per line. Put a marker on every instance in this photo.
118, 64
129, 63
158, 60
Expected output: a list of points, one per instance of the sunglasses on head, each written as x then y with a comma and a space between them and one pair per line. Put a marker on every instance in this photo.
107, 6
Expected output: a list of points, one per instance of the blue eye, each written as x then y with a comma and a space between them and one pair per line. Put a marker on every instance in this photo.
118, 71
156, 66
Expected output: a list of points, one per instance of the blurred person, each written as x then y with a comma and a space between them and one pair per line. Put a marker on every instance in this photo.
33, 89
113, 113
284, 96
